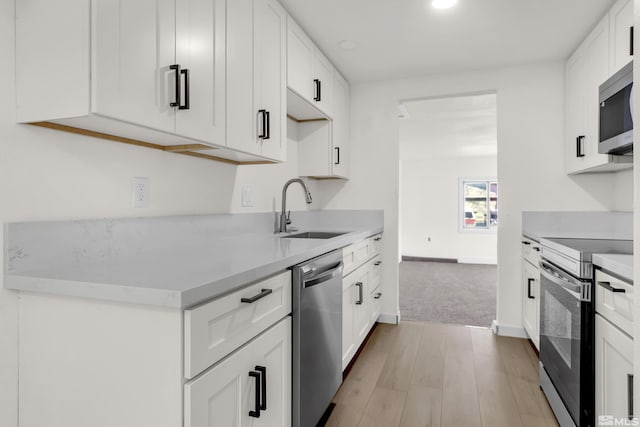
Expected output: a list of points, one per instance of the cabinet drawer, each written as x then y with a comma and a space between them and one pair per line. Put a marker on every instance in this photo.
354, 255
531, 251
215, 329
375, 246
375, 274
614, 300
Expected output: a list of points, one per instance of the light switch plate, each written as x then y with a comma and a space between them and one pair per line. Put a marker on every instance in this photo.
141, 192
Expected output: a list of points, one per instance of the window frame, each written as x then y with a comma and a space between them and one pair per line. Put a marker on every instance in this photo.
489, 229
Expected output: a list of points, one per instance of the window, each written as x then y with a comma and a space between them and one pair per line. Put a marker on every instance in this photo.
478, 204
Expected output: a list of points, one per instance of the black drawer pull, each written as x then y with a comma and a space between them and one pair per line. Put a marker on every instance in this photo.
256, 404
535, 248
337, 162
524, 242
529, 281
263, 385
610, 288
630, 395
378, 295
377, 239
377, 263
255, 298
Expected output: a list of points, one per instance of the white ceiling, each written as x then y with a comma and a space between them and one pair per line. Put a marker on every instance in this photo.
449, 127
408, 38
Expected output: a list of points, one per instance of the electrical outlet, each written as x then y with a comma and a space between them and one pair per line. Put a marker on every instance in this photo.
247, 197
140, 192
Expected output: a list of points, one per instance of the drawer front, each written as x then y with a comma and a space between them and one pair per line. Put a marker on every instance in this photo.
354, 255
375, 245
614, 301
531, 251
217, 328
375, 274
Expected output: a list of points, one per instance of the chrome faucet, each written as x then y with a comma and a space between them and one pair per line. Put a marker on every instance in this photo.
284, 218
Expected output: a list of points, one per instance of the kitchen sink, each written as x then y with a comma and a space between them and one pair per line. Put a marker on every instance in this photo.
314, 235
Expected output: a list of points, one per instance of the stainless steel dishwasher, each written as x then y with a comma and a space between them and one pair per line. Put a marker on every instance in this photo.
317, 336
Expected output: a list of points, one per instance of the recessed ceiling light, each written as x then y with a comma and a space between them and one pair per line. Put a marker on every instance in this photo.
348, 44
443, 4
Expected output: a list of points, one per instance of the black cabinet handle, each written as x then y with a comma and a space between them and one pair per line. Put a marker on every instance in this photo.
360, 286
255, 298
630, 395
378, 295
377, 263
529, 281
263, 385
610, 288
524, 242
186, 105
262, 124
535, 248
318, 96
631, 40
337, 162
377, 239
580, 146
267, 121
178, 88
256, 405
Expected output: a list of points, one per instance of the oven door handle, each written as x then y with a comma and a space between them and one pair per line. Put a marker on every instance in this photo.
547, 271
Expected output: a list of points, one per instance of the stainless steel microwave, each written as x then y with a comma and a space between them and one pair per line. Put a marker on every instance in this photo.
616, 113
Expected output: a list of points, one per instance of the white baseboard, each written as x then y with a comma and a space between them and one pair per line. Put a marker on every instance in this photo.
508, 331
477, 261
392, 319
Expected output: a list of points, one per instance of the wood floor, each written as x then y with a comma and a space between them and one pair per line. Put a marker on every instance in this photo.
428, 374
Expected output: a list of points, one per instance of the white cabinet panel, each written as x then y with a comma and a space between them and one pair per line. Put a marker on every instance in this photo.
621, 24
614, 370
133, 47
300, 61
340, 140
324, 87
531, 305
200, 49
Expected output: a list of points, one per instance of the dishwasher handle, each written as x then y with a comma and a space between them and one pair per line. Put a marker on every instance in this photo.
329, 274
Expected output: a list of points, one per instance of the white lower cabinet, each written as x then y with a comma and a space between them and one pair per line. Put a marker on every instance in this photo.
251, 387
531, 289
361, 297
614, 371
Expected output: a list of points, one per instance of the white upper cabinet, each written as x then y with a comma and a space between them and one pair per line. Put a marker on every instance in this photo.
155, 71
200, 51
256, 84
133, 47
621, 42
585, 71
300, 61
309, 74
340, 141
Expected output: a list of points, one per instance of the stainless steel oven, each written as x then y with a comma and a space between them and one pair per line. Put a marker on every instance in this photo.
567, 331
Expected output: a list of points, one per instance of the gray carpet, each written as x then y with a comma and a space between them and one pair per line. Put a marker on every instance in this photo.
460, 294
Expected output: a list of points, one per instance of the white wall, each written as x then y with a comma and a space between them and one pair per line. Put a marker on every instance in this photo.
50, 175
429, 208
530, 162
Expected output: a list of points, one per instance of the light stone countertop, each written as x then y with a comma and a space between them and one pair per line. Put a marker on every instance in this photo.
618, 264
204, 261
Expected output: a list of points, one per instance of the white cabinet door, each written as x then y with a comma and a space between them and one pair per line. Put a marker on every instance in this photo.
574, 110
256, 91
272, 351
133, 47
361, 292
225, 395
222, 396
620, 44
200, 51
270, 61
340, 131
531, 301
614, 370
300, 61
324, 74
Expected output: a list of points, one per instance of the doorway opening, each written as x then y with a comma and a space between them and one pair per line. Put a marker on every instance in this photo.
449, 209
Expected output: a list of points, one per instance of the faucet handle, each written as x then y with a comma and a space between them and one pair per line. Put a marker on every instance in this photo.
288, 217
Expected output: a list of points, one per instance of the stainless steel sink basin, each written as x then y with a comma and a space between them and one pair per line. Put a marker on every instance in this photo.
314, 235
